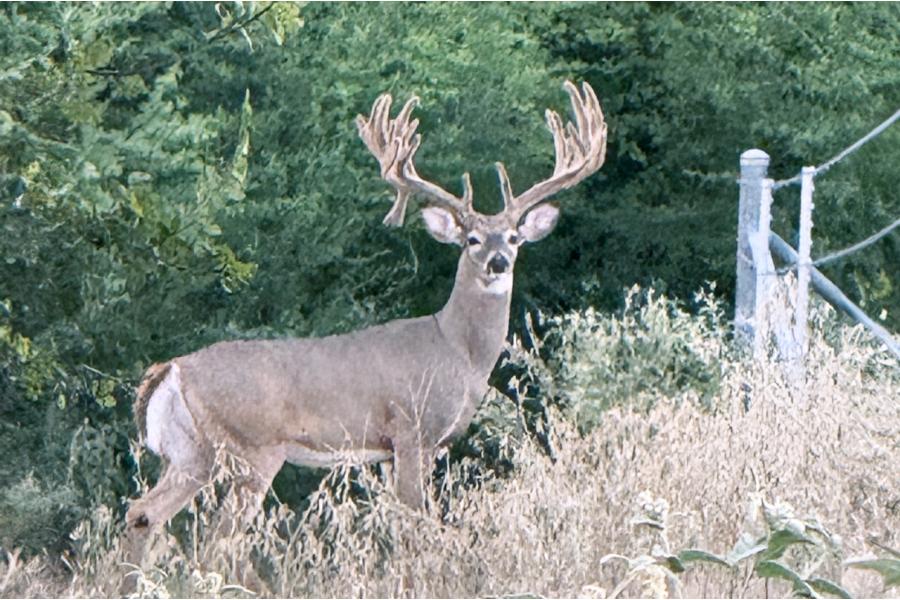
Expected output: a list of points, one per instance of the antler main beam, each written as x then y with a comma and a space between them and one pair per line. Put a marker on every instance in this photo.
394, 143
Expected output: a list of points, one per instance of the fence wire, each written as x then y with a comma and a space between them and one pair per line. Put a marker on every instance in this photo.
843, 154
859, 246
842, 253
827, 165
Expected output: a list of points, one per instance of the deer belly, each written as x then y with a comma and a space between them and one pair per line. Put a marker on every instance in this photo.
309, 457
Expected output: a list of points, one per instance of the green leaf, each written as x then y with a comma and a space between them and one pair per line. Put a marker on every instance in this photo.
781, 540
702, 556
889, 568
673, 563
746, 547
823, 586
777, 570
239, 164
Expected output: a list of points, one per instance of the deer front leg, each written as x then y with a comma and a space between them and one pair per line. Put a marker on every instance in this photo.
412, 471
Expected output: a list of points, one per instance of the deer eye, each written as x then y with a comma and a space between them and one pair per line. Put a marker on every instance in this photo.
473, 241
513, 239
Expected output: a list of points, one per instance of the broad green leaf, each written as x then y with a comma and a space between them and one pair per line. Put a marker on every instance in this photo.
889, 568
746, 547
823, 586
702, 556
780, 541
777, 570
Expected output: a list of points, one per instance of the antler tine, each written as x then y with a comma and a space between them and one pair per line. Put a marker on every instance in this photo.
394, 143
580, 149
505, 186
467, 191
581, 119
555, 125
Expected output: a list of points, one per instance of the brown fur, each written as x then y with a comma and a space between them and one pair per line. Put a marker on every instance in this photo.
153, 376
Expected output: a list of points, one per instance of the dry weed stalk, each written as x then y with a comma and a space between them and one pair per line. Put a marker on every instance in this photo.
701, 472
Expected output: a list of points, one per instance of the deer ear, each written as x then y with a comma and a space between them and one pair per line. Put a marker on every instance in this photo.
539, 222
442, 225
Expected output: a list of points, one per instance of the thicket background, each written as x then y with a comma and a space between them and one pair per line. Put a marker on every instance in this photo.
175, 174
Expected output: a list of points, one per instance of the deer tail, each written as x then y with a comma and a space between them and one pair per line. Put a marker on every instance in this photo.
151, 380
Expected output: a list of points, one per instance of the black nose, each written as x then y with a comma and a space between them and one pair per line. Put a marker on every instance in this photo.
498, 264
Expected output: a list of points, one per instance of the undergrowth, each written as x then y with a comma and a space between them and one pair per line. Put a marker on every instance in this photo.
662, 464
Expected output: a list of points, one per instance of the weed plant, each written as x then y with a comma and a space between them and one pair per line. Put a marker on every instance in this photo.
665, 465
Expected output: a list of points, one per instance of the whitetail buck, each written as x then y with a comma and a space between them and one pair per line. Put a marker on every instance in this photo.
397, 391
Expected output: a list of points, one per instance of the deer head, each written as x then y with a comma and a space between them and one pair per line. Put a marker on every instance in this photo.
490, 242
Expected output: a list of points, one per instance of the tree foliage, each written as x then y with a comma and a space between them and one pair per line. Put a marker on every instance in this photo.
175, 174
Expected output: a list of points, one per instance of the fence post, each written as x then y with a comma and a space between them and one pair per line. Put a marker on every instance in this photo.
754, 262
804, 248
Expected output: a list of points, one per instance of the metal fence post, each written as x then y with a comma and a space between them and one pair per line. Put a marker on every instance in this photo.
754, 262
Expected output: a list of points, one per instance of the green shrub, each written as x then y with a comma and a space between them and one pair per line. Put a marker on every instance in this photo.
33, 517
588, 361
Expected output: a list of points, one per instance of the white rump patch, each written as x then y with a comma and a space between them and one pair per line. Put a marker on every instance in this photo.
169, 424
497, 284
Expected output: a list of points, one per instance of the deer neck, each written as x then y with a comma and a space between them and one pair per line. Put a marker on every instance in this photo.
475, 321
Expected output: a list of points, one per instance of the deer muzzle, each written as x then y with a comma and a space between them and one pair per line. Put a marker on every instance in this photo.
498, 265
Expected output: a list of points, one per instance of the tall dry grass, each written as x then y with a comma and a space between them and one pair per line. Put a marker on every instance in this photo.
698, 466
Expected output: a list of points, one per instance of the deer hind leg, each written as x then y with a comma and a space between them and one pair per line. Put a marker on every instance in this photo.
147, 516
172, 434
172, 492
250, 473
253, 477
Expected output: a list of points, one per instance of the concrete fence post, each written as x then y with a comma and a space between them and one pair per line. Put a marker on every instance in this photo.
754, 261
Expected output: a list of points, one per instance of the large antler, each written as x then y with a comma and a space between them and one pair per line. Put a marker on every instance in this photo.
394, 143
580, 151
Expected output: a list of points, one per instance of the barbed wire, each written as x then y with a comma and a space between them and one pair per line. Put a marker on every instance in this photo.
842, 253
858, 246
824, 167
842, 154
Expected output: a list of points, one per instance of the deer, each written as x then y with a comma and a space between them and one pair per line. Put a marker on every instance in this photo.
397, 392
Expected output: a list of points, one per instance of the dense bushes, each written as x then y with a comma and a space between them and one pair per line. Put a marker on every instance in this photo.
175, 174
653, 348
